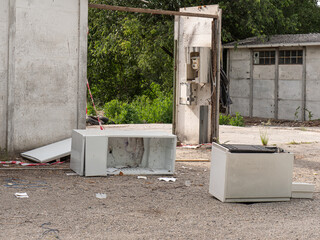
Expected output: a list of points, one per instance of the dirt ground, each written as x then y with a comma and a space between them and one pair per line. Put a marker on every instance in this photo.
65, 207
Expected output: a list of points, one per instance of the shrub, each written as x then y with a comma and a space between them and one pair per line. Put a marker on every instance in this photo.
237, 120
229, 120
143, 109
121, 112
224, 119
90, 110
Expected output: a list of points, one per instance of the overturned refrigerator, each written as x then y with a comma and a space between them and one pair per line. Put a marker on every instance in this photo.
113, 152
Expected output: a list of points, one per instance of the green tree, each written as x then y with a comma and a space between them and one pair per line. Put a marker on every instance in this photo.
127, 52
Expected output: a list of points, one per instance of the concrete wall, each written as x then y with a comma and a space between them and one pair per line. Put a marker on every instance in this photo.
290, 93
47, 71
275, 91
193, 32
4, 8
263, 91
239, 74
313, 81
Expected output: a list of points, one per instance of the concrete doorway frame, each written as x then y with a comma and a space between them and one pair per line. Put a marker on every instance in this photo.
214, 135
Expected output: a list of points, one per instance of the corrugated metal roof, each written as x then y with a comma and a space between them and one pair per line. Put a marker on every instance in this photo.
277, 41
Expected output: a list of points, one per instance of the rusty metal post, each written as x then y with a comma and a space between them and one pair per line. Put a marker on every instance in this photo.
151, 11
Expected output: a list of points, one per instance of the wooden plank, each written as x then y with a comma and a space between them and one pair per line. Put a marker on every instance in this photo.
174, 122
151, 11
218, 67
214, 99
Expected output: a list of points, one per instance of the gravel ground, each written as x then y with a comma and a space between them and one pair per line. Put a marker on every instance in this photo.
65, 207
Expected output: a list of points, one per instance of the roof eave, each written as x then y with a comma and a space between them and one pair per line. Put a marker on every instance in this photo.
274, 45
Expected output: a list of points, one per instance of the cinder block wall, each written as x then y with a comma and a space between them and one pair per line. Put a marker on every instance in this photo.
239, 74
43, 55
275, 91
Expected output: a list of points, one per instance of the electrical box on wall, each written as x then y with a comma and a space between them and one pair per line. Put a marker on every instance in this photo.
188, 93
198, 64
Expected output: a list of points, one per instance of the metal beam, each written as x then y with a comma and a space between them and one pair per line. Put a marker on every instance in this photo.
151, 11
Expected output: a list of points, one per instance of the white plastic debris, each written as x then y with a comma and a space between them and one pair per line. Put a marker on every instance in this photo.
101, 195
21, 195
142, 177
72, 174
191, 146
167, 179
49, 152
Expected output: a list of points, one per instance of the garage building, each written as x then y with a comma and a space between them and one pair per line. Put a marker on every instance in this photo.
275, 77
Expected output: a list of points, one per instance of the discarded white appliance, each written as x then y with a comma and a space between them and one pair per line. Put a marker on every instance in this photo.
50, 152
249, 173
99, 153
302, 190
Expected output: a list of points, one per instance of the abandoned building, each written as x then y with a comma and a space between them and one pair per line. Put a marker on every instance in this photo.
277, 77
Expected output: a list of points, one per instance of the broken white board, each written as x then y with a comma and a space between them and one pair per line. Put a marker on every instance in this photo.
49, 152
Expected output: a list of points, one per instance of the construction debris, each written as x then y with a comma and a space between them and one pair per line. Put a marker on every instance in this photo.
50, 152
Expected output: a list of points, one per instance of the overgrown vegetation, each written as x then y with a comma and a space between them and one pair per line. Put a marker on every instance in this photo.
310, 114
236, 120
143, 109
128, 52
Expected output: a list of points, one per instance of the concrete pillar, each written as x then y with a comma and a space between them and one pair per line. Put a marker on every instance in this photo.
47, 51
4, 23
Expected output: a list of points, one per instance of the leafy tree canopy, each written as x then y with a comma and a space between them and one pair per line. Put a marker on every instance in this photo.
127, 52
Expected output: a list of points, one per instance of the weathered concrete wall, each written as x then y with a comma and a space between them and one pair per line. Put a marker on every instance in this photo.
239, 74
47, 71
4, 22
290, 92
193, 32
275, 91
313, 81
263, 91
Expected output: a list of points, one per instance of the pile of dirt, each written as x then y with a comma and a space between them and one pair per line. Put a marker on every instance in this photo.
254, 121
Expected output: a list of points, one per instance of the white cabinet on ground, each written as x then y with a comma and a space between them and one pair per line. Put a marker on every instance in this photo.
99, 153
248, 173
